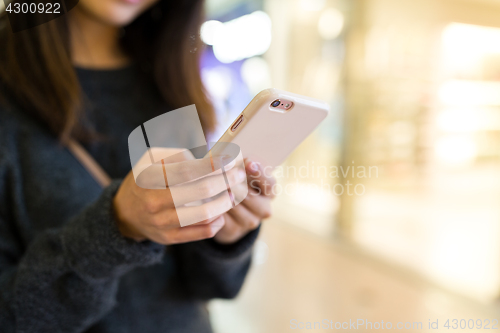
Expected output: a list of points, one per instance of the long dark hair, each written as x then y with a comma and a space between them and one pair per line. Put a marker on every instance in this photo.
36, 70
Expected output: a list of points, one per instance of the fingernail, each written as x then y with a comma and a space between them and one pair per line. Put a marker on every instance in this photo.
215, 226
254, 167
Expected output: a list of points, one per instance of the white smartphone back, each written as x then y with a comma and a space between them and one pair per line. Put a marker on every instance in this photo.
267, 134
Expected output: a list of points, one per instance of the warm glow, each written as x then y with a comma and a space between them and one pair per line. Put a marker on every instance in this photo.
330, 23
456, 150
311, 5
468, 120
465, 45
457, 121
461, 92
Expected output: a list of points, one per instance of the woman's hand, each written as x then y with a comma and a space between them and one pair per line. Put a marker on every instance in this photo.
248, 215
151, 214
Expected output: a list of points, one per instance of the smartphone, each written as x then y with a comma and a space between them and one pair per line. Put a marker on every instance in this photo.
273, 124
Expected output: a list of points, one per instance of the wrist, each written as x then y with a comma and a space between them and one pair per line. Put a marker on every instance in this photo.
126, 229
129, 232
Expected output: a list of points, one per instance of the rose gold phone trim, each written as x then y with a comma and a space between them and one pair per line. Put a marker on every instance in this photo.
237, 123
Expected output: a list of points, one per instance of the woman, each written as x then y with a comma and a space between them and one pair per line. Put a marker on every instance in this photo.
75, 257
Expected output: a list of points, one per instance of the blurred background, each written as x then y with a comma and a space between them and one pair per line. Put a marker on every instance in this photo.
390, 210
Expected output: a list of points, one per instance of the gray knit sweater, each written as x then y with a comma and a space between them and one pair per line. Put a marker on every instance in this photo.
64, 267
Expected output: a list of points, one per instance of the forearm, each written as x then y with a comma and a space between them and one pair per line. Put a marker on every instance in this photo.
211, 270
67, 278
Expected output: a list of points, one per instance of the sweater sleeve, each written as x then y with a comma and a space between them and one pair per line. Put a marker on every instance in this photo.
66, 279
211, 270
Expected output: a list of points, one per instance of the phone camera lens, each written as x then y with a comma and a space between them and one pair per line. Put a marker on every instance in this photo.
275, 103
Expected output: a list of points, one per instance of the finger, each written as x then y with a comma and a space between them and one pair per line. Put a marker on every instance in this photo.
170, 155
206, 187
156, 201
208, 220
193, 233
158, 153
258, 177
188, 215
239, 192
244, 217
259, 205
231, 231
163, 174
169, 219
186, 171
